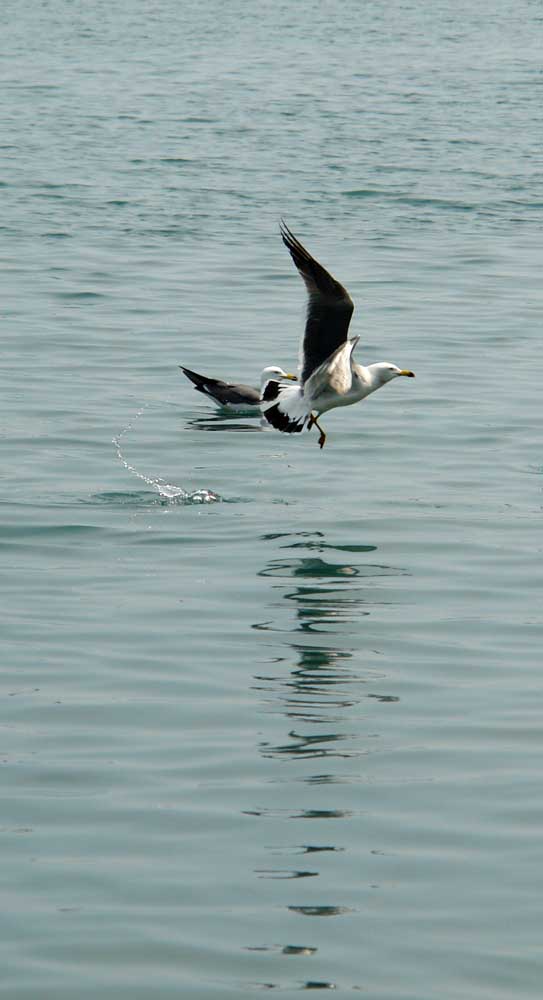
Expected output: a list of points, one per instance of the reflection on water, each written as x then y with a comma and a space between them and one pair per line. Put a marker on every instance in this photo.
292, 949
309, 985
325, 681
288, 949
223, 422
303, 849
283, 873
321, 911
318, 984
323, 814
316, 681
309, 745
299, 814
330, 595
315, 540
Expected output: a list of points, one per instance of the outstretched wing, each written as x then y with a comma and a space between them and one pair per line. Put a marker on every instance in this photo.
329, 309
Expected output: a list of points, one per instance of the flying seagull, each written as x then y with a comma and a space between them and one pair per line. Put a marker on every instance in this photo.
233, 397
329, 376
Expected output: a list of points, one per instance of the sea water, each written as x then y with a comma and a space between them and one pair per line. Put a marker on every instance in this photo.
271, 716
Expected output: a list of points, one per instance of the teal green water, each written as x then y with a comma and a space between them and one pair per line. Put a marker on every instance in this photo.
291, 738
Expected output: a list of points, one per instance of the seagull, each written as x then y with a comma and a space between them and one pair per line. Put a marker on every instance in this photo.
233, 397
329, 377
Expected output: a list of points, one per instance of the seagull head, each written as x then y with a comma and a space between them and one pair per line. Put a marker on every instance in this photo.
384, 371
274, 372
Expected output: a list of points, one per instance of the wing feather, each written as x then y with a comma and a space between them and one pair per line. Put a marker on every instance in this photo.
329, 309
335, 373
224, 393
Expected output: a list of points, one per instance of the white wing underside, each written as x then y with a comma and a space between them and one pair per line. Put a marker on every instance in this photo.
334, 375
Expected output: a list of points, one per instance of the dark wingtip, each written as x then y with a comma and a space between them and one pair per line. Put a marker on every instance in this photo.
285, 229
194, 377
282, 422
301, 257
287, 236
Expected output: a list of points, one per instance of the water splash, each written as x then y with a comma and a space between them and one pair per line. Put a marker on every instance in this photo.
168, 491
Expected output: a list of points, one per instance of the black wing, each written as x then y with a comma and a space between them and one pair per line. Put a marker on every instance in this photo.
225, 393
329, 309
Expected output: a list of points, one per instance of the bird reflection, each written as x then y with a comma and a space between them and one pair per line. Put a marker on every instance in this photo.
224, 422
310, 984
292, 949
329, 594
325, 681
318, 984
321, 594
283, 873
309, 746
321, 911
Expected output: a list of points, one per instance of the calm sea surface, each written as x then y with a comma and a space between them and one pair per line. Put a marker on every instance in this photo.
290, 738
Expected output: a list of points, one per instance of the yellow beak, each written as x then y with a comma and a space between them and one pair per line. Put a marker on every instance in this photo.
405, 371
293, 378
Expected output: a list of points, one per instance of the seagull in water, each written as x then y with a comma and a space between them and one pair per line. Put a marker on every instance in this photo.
329, 376
233, 397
